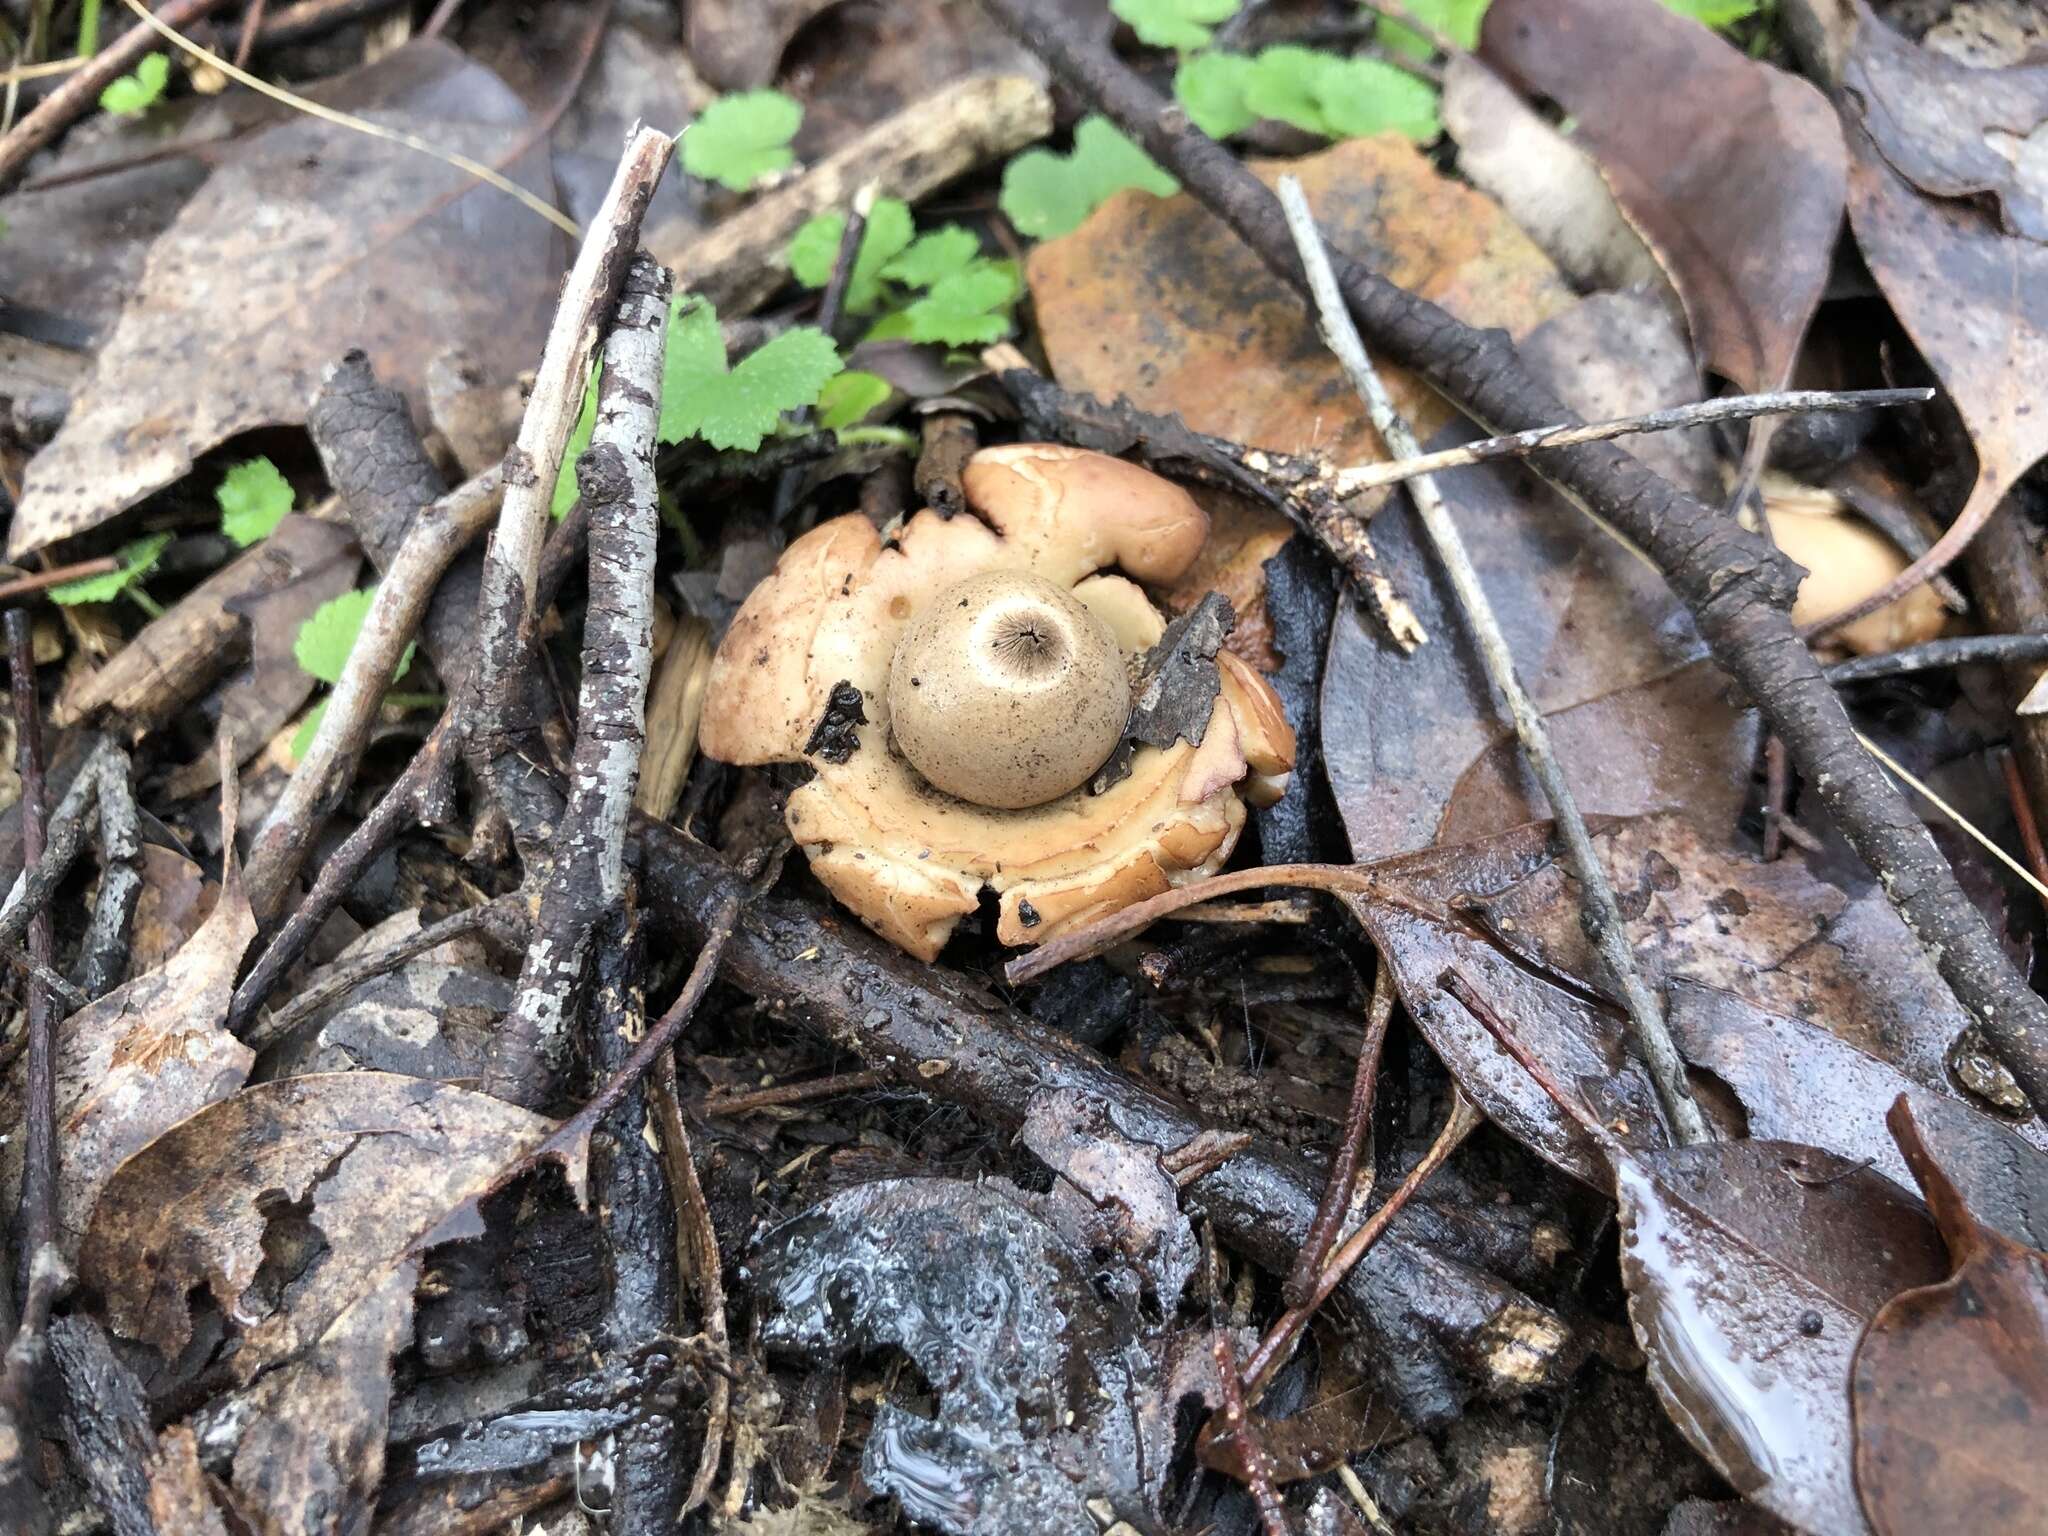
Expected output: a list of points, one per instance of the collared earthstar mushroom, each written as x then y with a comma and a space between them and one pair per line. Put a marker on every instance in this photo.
957, 685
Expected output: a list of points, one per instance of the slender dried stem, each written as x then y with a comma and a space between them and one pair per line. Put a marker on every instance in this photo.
1603, 919
1351, 1144
1515, 445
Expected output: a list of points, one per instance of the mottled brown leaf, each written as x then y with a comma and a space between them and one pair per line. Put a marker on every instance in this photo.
1752, 1268
1951, 1381
144, 1057
1154, 298
378, 1162
1731, 170
308, 240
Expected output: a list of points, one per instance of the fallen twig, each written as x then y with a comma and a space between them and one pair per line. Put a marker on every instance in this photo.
1738, 590
499, 727
1351, 1144
1258, 1466
697, 1257
41, 975
35, 1221
1962, 651
587, 874
38, 581
1602, 919
791, 1093
437, 536
64, 837
81, 93
103, 954
1364, 477
344, 976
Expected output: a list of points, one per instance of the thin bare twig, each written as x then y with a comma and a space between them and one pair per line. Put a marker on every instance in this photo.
433, 541
1280, 1339
1258, 1465
792, 1093
1604, 922
64, 838
1351, 1144
37, 581
498, 731
697, 1257
344, 976
103, 956
587, 876
81, 93
1961, 651
41, 975
1363, 477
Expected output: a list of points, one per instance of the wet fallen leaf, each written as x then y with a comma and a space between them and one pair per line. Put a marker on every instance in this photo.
737, 44
1752, 1268
1414, 745
143, 1058
1951, 1381
1973, 297
378, 1163
307, 241
1155, 299
176, 898
1732, 171
1799, 1082
1047, 1395
1419, 922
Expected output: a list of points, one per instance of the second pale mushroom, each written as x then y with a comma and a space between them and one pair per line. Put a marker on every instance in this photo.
958, 686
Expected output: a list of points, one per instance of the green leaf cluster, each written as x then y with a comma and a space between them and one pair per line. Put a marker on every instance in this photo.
133, 95
1181, 24
1326, 94
254, 498
1456, 19
322, 650
1716, 13
934, 287
737, 406
138, 559
738, 141
1046, 193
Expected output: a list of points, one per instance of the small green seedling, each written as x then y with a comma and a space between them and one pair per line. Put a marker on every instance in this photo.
1326, 94
737, 406
133, 95
572, 450
815, 250
850, 397
138, 559
1456, 19
738, 141
254, 498
1715, 13
1046, 193
322, 650
970, 307
1181, 24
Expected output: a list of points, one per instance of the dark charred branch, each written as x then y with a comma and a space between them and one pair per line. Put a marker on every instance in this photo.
933, 1031
35, 1221
103, 957
1737, 588
637, 1227
586, 877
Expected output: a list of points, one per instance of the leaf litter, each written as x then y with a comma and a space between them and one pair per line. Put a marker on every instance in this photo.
944, 1256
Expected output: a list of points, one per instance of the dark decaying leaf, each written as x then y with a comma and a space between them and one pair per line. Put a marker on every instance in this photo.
1951, 1381
144, 1057
1418, 919
1617, 1465
308, 240
1176, 687
737, 44
1047, 1394
378, 1163
1415, 747
1800, 1082
1731, 170
1973, 297
1752, 1267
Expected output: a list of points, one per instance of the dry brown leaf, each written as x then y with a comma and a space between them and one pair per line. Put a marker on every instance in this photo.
307, 241
379, 1163
1154, 298
1731, 170
144, 1057
737, 44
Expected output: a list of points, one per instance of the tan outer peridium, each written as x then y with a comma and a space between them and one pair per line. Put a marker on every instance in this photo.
1847, 560
910, 861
